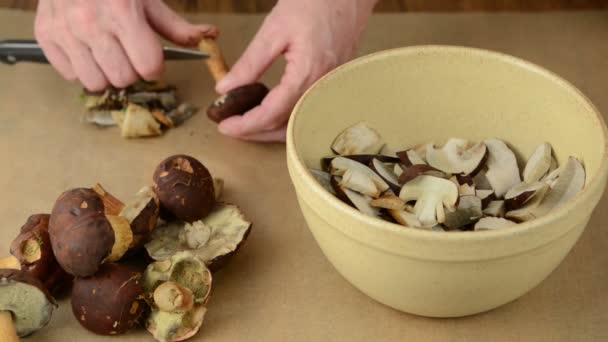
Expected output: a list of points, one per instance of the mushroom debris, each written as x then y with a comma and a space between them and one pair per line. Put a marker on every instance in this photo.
458, 186
94, 243
143, 109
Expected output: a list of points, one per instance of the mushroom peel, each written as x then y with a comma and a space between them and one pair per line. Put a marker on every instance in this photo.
431, 195
456, 156
213, 239
358, 139
503, 172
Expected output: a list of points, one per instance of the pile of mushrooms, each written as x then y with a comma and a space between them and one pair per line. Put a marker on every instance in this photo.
102, 247
144, 109
459, 186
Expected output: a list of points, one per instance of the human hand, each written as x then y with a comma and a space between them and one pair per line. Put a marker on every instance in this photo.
314, 36
111, 42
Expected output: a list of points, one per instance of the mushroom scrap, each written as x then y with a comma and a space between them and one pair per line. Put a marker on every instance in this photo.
144, 109
458, 186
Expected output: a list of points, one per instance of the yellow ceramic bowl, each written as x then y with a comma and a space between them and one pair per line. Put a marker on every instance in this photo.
432, 93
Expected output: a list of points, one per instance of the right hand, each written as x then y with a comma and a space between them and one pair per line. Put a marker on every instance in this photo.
111, 42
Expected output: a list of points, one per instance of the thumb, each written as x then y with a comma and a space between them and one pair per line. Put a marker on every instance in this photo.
173, 27
257, 58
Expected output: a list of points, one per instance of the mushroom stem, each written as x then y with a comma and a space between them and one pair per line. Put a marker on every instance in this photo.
216, 63
9, 262
7, 328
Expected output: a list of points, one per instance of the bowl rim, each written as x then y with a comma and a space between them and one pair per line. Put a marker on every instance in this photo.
423, 234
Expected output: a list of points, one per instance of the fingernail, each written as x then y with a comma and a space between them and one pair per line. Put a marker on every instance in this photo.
224, 84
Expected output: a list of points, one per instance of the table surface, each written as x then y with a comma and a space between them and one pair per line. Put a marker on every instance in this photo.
280, 287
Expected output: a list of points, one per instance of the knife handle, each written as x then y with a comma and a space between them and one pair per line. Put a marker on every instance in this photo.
14, 51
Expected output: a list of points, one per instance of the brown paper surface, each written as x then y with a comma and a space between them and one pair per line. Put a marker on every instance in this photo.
280, 287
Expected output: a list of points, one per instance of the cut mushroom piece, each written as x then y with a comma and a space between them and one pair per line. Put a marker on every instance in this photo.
361, 202
324, 178
386, 174
570, 182
360, 182
486, 196
218, 187
214, 239
340, 165
142, 213
467, 212
397, 170
552, 176
415, 156
405, 218
364, 159
481, 181
431, 194
539, 163
457, 156
388, 202
503, 171
528, 211
358, 139
466, 190
495, 209
411, 172
490, 223
518, 195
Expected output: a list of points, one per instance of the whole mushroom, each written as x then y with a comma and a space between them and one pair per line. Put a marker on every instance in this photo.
184, 187
83, 236
111, 302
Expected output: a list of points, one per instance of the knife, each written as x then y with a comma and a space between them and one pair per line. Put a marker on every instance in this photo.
15, 51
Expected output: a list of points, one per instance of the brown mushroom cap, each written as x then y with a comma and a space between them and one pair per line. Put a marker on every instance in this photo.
184, 187
26, 298
238, 101
110, 302
32, 248
81, 235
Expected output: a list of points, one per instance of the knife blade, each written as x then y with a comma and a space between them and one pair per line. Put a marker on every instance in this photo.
15, 51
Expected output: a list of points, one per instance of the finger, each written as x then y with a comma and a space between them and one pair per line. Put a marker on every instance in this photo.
271, 114
175, 28
43, 32
113, 61
265, 47
278, 135
84, 64
58, 59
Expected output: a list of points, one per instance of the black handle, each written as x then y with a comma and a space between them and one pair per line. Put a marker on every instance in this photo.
15, 51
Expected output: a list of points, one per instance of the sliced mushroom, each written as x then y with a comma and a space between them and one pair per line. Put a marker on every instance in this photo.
388, 202
414, 171
490, 223
137, 121
503, 171
481, 181
486, 196
414, 156
457, 156
466, 190
552, 176
361, 202
358, 139
340, 165
528, 211
431, 195
360, 182
518, 195
397, 170
495, 209
324, 178
405, 218
387, 175
467, 212
142, 212
539, 163
364, 159
570, 182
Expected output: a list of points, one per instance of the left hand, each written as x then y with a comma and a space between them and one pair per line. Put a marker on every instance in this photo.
314, 36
